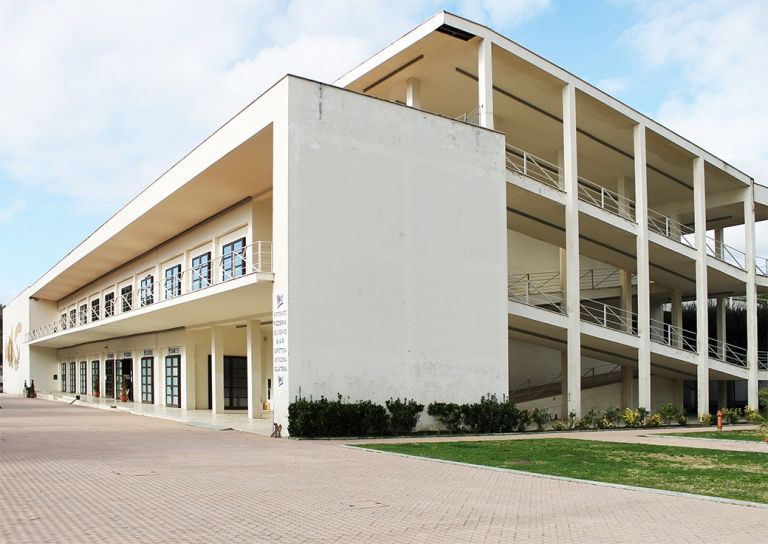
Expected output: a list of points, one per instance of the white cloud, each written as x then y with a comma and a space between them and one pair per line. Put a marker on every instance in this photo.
613, 85
503, 12
10, 210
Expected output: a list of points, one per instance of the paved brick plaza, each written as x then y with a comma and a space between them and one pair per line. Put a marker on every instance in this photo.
74, 474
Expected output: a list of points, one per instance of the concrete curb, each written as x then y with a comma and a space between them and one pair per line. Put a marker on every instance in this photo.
681, 494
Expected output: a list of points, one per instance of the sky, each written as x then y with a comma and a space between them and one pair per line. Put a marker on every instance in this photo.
99, 98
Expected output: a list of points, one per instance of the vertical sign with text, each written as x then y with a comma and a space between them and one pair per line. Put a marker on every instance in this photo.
280, 341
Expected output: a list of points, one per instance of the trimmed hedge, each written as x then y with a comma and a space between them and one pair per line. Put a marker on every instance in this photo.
335, 418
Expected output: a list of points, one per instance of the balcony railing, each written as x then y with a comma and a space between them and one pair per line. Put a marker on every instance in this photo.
605, 199
668, 227
525, 164
673, 336
522, 289
762, 360
608, 316
727, 254
727, 353
255, 258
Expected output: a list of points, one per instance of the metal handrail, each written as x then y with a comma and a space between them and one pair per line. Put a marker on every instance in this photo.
590, 278
255, 258
597, 195
673, 336
541, 383
728, 353
727, 254
762, 360
526, 292
533, 167
668, 227
608, 316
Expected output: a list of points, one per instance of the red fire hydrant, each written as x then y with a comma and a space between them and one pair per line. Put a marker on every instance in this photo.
720, 420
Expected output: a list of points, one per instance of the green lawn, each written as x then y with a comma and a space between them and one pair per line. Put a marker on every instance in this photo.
748, 435
735, 475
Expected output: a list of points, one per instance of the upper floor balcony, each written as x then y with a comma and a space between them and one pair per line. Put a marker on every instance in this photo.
211, 289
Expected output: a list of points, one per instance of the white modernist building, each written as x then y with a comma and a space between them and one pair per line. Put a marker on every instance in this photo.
454, 217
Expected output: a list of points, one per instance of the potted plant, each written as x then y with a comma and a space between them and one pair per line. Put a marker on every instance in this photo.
124, 388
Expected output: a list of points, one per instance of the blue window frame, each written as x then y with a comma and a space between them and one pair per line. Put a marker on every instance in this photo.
201, 271
233, 259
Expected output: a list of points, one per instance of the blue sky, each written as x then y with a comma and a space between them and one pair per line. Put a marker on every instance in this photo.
99, 98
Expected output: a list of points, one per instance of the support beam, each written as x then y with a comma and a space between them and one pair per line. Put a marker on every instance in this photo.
564, 385
702, 297
573, 295
720, 325
627, 387
253, 355
719, 241
643, 271
217, 370
413, 93
749, 233
625, 281
677, 316
485, 83
188, 383
621, 190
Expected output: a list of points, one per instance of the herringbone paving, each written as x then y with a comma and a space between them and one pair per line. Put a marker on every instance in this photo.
71, 474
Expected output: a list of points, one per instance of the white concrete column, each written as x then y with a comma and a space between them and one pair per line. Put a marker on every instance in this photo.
657, 314
217, 370
643, 271
136, 370
485, 83
627, 387
563, 385
413, 93
573, 295
719, 240
720, 324
621, 190
253, 352
749, 233
677, 317
702, 297
188, 382
625, 281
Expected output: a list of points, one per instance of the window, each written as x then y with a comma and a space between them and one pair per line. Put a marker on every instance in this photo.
126, 298
95, 376
173, 281
147, 380
109, 305
72, 376
64, 377
233, 259
95, 309
72, 318
146, 292
201, 271
172, 381
83, 378
83, 314
64, 321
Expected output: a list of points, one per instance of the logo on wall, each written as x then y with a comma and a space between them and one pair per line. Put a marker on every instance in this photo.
279, 300
12, 350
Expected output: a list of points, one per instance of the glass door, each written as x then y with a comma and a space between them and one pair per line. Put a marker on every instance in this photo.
72, 376
172, 381
235, 383
109, 378
147, 381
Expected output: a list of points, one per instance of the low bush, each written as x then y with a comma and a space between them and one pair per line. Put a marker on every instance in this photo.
404, 414
525, 420
613, 415
559, 425
731, 416
541, 417
682, 419
492, 416
605, 423
752, 416
448, 414
630, 417
668, 412
654, 420
590, 418
327, 418
705, 419
642, 415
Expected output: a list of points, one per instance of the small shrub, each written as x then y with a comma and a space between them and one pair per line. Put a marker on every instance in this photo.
492, 416
705, 419
404, 414
732, 415
541, 417
525, 420
605, 423
448, 414
572, 420
654, 420
682, 419
326, 418
613, 415
590, 418
642, 415
668, 412
559, 425
630, 417
752, 416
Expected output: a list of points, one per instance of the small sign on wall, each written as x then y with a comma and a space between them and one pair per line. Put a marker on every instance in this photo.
280, 340
110, 355
148, 353
127, 355
176, 350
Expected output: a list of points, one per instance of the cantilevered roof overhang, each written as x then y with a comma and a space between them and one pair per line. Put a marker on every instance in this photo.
233, 164
437, 53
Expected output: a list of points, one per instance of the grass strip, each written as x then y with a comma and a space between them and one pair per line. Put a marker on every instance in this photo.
747, 435
727, 474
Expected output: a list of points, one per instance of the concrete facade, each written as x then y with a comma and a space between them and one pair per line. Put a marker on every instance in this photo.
454, 217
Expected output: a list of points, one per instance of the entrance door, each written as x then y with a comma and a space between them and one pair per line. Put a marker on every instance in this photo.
72, 377
109, 378
172, 381
147, 381
125, 373
235, 382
